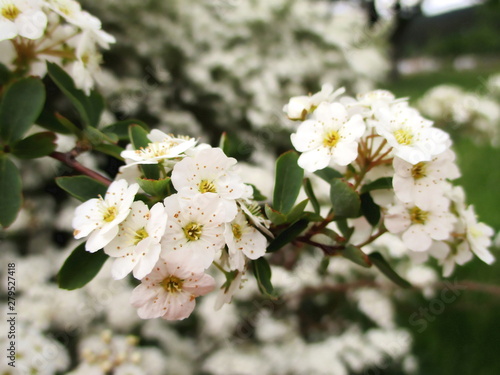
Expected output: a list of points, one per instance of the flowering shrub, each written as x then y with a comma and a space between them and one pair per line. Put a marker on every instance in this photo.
368, 186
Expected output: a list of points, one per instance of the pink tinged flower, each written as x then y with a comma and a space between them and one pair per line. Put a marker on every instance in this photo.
169, 291
164, 148
21, 17
412, 137
330, 136
210, 171
420, 227
99, 218
137, 244
422, 182
478, 236
195, 230
243, 241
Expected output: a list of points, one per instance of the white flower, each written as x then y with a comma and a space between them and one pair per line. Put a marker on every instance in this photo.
253, 211
329, 137
412, 137
210, 171
87, 63
137, 244
100, 217
169, 291
420, 226
21, 17
478, 236
422, 182
460, 255
195, 229
162, 148
227, 291
299, 106
242, 240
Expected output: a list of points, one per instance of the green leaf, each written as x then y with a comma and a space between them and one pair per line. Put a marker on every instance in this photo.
139, 138
11, 191
288, 182
262, 272
276, 217
355, 255
50, 121
112, 150
288, 235
157, 188
297, 211
312, 216
370, 210
35, 146
120, 128
235, 147
345, 200
4, 74
378, 260
310, 194
80, 268
344, 228
89, 107
328, 174
97, 137
21, 105
381, 183
82, 188
257, 195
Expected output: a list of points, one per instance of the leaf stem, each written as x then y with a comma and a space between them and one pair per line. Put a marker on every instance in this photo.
69, 160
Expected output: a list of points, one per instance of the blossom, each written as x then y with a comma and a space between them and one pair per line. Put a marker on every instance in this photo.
331, 136
478, 236
420, 226
242, 240
210, 171
195, 229
137, 244
100, 217
169, 291
422, 182
299, 106
162, 148
412, 137
21, 17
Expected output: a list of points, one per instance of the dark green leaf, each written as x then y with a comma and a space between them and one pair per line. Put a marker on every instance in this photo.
257, 195
328, 174
355, 255
235, 147
4, 74
35, 146
49, 121
345, 200
378, 260
96, 137
312, 216
120, 129
11, 191
297, 211
21, 105
276, 217
112, 150
381, 183
139, 138
288, 235
344, 228
369, 209
157, 188
262, 272
80, 268
288, 182
82, 188
95, 107
310, 194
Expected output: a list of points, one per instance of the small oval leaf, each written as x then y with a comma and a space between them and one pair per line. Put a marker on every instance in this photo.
82, 188
11, 197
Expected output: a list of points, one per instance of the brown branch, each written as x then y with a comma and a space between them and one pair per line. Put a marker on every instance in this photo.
69, 160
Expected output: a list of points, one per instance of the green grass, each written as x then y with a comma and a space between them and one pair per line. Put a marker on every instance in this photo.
464, 338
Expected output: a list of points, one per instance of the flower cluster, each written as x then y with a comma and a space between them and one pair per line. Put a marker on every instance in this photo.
57, 31
208, 217
382, 138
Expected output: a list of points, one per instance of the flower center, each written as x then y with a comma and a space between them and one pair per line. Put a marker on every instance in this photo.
172, 284
140, 235
236, 231
110, 214
331, 138
419, 170
403, 137
206, 186
192, 231
418, 216
10, 11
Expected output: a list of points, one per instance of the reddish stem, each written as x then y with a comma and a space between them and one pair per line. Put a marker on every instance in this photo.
69, 160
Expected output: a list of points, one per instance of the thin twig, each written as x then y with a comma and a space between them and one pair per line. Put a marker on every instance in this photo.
69, 160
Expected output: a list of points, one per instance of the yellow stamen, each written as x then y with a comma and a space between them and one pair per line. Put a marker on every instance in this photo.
331, 138
236, 231
193, 231
206, 186
172, 284
140, 235
418, 216
419, 170
403, 137
110, 214
10, 11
